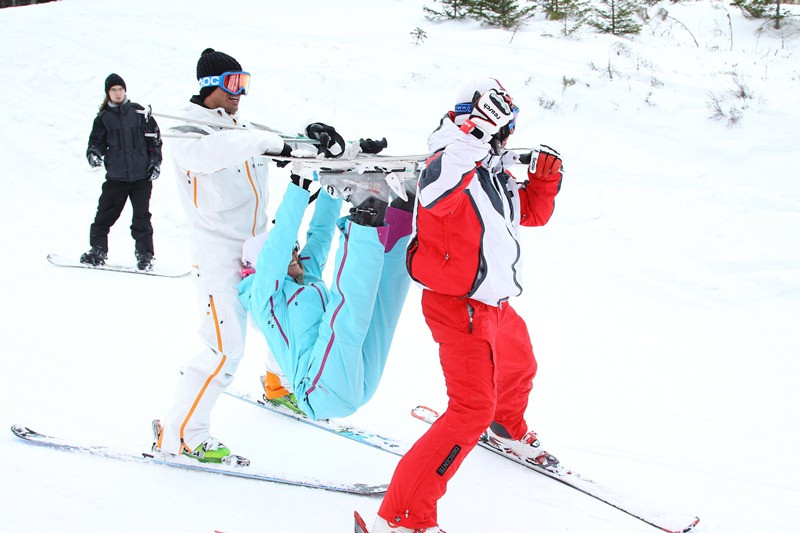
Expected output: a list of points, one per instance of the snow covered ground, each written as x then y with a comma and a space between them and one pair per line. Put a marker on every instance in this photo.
663, 297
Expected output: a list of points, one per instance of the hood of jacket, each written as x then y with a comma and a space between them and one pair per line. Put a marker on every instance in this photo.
444, 134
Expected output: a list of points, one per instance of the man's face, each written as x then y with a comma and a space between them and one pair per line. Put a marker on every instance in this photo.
116, 94
219, 98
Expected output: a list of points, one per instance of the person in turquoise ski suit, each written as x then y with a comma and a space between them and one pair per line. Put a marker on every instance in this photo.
331, 343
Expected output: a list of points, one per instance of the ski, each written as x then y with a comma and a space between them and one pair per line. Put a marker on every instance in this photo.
351, 161
361, 527
330, 425
62, 261
39, 439
669, 522
148, 112
341, 176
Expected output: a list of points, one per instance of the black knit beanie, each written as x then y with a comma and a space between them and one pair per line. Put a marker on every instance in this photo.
114, 79
213, 63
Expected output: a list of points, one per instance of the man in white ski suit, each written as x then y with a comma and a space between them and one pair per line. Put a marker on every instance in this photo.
223, 189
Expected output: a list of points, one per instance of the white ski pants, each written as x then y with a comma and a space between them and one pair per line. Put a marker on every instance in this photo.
223, 325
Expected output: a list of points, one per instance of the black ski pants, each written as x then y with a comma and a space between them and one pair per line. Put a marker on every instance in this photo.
109, 207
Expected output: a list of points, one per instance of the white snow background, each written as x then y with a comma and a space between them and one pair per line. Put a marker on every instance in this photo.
662, 297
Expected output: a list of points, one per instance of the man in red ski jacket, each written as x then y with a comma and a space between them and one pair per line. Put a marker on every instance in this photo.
465, 254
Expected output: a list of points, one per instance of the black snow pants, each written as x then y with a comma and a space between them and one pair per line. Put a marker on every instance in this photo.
112, 201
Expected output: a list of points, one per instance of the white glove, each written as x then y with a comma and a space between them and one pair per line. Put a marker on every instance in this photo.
491, 112
304, 153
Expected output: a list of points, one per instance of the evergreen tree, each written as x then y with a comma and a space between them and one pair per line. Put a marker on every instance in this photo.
450, 10
573, 13
553, 9
615, 17
762, 9
498, 13
501, 13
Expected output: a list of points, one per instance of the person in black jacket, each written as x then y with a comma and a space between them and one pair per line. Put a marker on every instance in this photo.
129, 144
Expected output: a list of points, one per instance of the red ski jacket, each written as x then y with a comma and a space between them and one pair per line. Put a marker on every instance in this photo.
469, 209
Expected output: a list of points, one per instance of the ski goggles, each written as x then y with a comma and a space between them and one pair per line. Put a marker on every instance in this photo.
232, 82
513, 123
466, 107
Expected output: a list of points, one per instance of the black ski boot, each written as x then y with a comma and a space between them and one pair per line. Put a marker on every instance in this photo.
144, 261
96, 256
370, 212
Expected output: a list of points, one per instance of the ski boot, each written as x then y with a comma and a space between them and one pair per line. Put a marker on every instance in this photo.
288, 401
208, 451
276, 394
95, 257
527, 449
369, 212
144, 261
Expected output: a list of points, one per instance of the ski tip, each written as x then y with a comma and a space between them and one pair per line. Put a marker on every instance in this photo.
22, 431
424, 413
370, 490
691, 526
360, 526
672, 529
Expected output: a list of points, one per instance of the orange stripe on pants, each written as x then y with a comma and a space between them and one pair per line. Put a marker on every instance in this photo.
212, 376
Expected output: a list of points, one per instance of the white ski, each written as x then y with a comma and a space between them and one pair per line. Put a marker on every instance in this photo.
669, 522
39, 439
148, 112
331, 426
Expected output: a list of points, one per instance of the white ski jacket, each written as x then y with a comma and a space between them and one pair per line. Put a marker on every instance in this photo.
223, 185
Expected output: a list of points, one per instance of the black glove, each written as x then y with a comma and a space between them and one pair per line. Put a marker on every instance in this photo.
300, 181
330, 142
286, 152
153, 171
368, 146
94, 159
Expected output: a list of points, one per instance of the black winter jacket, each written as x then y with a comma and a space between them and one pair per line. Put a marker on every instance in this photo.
118, 135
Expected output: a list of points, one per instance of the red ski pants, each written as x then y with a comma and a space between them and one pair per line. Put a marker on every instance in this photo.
488, 365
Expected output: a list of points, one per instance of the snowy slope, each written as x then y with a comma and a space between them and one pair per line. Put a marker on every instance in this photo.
662, 298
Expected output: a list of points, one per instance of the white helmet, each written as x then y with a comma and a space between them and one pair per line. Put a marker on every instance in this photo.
470, 93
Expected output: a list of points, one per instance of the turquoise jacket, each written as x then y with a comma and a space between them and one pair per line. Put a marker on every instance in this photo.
332, 344
288, 313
